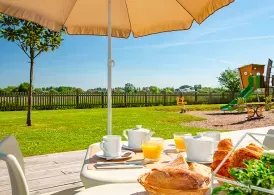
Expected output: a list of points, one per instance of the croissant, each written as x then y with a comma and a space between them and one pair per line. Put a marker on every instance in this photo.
177, 179
219, 155
225, 144
224, 170
255, 148
243, 154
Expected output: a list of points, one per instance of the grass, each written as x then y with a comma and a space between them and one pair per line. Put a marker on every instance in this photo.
68, 130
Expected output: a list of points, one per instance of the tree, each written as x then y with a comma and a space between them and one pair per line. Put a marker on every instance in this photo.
129, 88
23, 87
230, 80
11, 89
33, 40
153, 89
78, 90
185, 87
196, 87
38, 90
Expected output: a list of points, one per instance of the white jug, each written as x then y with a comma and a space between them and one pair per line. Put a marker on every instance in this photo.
136, 136
199, 149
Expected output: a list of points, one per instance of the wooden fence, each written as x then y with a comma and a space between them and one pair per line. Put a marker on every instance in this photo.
47, 101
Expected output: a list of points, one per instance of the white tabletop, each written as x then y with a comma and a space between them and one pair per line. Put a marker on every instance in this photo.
119, 189
91, 178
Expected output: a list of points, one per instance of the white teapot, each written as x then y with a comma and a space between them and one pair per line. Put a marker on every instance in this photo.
199, 149
136, 136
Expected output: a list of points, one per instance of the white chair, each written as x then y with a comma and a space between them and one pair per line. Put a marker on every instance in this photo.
269, 141
10, 152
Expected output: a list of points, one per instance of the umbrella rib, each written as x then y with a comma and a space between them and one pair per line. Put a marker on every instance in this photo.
70, 12
128, 19
185, 10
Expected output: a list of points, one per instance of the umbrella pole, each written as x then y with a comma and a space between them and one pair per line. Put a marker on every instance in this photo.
109, 125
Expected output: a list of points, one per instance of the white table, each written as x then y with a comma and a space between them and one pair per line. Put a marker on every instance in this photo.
118, 189
91, 178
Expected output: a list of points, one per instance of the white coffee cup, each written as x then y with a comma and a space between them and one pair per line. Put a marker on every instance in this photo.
111, 145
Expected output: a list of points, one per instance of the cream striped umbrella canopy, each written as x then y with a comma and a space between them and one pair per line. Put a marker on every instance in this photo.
113, 18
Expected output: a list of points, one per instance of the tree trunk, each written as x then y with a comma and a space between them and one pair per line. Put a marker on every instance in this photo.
29, 122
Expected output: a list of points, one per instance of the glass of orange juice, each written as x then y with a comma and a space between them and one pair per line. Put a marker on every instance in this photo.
179, 141
152, 148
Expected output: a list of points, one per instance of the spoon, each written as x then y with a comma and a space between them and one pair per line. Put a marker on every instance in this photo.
125, 155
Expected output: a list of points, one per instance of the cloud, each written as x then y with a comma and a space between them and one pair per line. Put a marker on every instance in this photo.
176, 44
221, 61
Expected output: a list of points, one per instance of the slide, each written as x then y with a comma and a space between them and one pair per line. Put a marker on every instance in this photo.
244, 94
253, 82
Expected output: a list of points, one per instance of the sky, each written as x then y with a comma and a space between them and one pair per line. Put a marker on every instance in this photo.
237, 35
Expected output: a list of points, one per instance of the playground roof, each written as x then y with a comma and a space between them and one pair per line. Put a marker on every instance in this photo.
252, 65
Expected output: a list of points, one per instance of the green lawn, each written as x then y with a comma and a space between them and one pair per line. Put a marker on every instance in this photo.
67, 130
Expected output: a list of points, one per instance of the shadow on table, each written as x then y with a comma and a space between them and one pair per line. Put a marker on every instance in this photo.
71, 191
140, 193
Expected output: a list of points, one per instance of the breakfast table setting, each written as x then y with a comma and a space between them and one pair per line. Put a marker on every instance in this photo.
121, 167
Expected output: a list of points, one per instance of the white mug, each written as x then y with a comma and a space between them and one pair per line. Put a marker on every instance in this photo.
111, 145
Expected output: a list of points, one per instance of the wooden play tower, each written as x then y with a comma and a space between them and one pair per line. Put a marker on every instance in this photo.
267, 81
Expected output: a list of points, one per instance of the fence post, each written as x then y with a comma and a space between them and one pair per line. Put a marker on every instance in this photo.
125, 99
223, 98
164, 98
196, 95
210, 97
102, 99
17, 100
77, 99
146, 99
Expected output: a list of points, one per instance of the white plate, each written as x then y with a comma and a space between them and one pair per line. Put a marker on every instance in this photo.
101, 155
133, 149
201, 162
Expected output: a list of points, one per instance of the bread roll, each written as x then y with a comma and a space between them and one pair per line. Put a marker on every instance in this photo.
177, 179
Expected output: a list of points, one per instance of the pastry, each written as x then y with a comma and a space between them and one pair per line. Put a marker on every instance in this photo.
255, 148
243, 154
219, 155
177, 179
225, 144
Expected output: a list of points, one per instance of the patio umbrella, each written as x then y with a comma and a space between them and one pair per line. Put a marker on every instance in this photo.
113, 18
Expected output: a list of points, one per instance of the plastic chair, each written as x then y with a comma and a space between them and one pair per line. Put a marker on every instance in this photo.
10, 153
269, 141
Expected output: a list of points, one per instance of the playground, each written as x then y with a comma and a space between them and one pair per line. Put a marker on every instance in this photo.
219, 120
238, 114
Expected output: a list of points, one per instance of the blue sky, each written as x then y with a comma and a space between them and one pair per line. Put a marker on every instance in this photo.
237, 35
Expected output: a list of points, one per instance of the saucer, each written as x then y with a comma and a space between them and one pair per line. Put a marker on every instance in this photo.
132, 149
101, 155
200, 162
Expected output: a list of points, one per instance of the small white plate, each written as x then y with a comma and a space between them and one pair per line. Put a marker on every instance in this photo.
200, 162
101, 155
132, 149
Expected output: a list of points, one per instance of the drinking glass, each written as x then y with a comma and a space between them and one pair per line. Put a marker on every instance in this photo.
152, 148
179, 141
